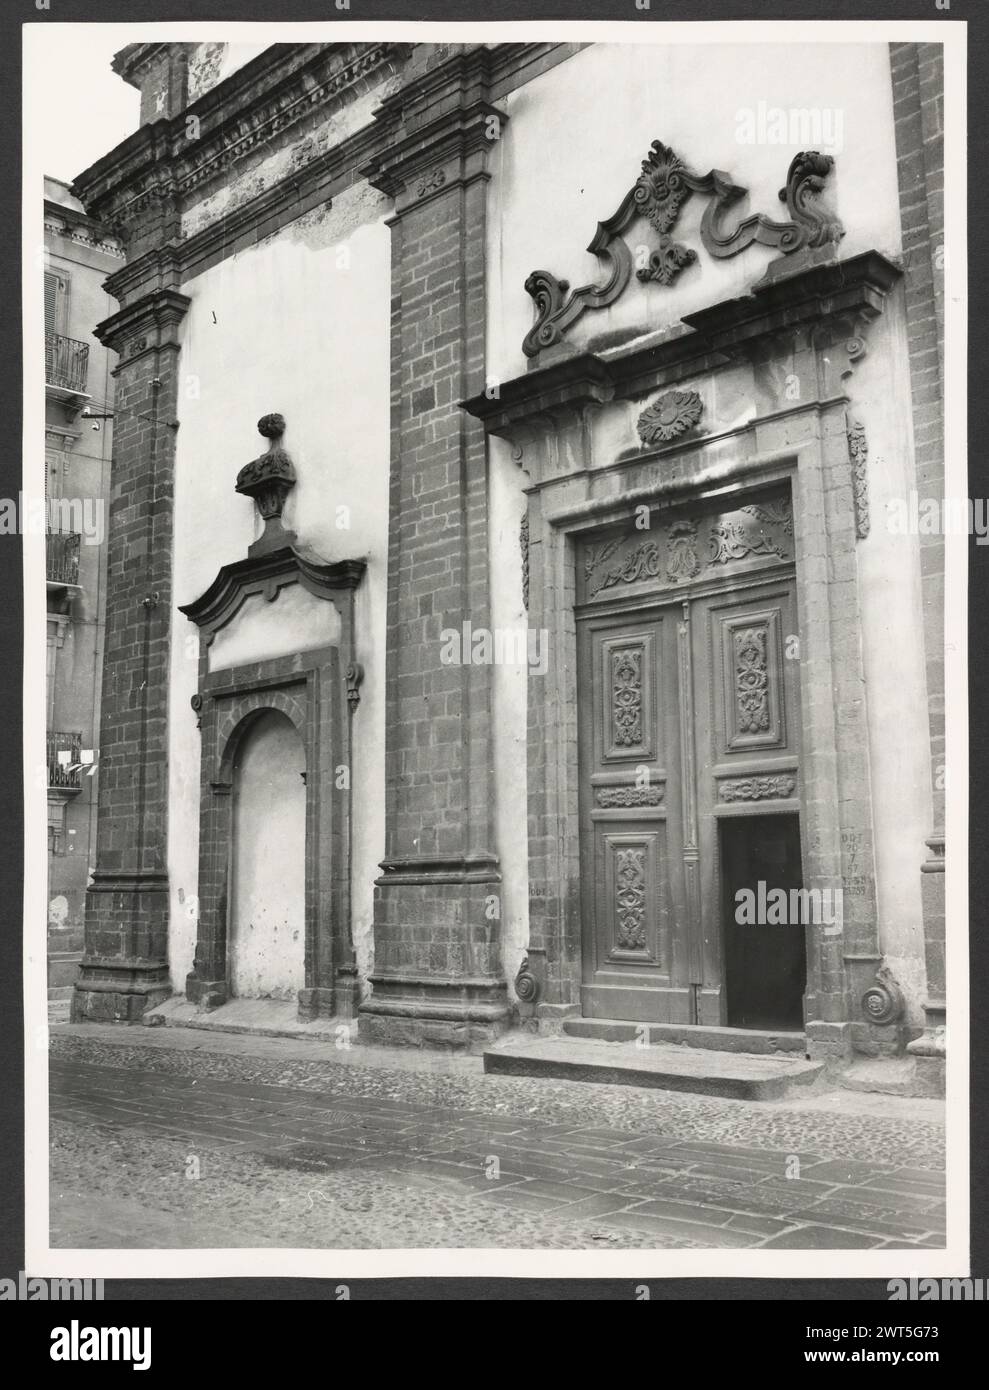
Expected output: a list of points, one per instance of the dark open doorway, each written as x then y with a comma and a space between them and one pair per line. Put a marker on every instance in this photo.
764, 946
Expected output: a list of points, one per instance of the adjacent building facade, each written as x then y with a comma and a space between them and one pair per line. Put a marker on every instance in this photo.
556, 607
78, 256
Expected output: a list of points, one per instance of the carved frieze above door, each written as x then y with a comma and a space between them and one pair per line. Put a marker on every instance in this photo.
684, 547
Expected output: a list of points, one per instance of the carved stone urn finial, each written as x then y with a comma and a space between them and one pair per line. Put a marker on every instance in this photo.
268, 479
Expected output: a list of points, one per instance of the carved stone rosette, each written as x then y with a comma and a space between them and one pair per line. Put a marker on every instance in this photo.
669, 417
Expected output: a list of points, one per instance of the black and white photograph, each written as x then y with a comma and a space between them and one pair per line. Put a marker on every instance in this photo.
504, 522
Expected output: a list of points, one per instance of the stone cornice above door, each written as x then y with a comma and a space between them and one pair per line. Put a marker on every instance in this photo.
265, 575
825, 302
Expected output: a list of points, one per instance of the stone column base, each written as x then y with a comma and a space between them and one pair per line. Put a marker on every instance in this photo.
829, 1042
339, 1002
208, 994
410, 1011
118, 991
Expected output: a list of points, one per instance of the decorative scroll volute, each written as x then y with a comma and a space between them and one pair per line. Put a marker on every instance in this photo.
659, 193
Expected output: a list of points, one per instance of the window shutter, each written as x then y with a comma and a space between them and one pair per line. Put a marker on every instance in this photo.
51, 303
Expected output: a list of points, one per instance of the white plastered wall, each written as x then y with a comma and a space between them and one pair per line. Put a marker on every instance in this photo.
299, 325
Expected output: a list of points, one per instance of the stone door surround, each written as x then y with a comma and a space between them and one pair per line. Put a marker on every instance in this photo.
318, 691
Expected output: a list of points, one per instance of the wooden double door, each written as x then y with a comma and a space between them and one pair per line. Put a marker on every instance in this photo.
689, 743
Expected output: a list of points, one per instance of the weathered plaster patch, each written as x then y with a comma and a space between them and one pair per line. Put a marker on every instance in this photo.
204, 68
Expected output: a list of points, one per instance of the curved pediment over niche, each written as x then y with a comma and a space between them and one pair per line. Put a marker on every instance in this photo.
265, 576
658, 195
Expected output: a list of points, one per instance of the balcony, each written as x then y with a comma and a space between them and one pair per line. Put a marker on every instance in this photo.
62, 559
66, 366
63, 774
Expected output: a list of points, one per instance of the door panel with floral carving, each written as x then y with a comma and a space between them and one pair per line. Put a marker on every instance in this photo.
630, 816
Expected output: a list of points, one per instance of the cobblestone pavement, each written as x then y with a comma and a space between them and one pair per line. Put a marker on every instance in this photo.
223, 1143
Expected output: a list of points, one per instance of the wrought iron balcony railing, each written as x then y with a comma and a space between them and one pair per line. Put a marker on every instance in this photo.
64, 772
66, 363
63, 557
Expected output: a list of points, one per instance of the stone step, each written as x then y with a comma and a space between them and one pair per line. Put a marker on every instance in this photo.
664, 1066
261, 1018
63, 968
59, 1010
758, 1041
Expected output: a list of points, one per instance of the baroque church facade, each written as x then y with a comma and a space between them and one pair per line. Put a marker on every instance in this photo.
500, 585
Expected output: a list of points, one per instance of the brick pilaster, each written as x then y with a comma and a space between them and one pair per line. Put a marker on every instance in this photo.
918, 96
125, 964
438, 976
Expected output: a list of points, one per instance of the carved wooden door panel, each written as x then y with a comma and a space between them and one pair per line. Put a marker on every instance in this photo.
745, 652
634, 961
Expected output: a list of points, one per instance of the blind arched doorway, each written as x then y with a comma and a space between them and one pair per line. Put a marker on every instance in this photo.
267, 932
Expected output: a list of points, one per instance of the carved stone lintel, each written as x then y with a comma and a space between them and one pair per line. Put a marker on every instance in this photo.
662, 188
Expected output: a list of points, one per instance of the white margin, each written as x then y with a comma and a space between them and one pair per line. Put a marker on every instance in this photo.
40, 1259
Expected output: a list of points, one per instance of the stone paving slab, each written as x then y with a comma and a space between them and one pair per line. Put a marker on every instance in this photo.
287, 1165
839, 1123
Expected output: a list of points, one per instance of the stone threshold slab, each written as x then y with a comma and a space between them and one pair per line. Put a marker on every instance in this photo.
718, 1039
663, 1066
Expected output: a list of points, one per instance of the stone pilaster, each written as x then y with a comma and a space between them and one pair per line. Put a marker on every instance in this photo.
438, 977
918, 96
